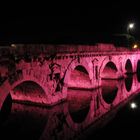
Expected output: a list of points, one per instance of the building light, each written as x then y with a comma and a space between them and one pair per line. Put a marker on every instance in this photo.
135, 46
13, 45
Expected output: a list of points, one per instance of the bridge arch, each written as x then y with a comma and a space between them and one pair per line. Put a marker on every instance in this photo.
109, 69
29, 91
138, 70
78, 75
128, 66
8, 88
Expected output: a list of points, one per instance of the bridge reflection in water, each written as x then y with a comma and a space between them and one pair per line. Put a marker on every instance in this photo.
86, 114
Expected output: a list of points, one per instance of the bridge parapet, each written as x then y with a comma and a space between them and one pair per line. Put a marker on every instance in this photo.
36, 49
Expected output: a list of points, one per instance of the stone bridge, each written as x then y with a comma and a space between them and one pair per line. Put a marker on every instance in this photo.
43, 78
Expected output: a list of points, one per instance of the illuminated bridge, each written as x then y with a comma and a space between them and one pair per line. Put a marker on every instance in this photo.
42, 74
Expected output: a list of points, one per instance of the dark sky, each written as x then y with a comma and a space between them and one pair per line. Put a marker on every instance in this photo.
67, 24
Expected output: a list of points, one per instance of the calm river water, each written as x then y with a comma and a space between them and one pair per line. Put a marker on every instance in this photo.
26, 122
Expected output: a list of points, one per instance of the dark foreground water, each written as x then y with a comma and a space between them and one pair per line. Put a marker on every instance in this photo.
26, 122
125, 124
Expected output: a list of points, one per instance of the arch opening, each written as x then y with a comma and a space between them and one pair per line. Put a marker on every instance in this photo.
109, 90
128, 67
6, 108
109, 71
79, 104
138, 70
79, 78
128, 82
29, 92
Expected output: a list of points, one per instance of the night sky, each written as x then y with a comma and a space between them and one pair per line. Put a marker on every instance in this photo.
87, 24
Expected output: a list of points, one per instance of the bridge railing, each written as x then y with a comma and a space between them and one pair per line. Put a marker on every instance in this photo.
21, 50
48, 48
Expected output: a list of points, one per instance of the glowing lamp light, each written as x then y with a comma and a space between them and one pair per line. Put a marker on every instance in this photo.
135, 46
131, 25
133, 105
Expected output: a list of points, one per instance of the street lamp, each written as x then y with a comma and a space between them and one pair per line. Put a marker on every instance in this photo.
129, 27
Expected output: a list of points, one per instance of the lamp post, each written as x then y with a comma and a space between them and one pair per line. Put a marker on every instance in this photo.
131, 39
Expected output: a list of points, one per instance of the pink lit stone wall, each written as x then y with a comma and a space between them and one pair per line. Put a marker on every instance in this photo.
53, 69
79, 80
